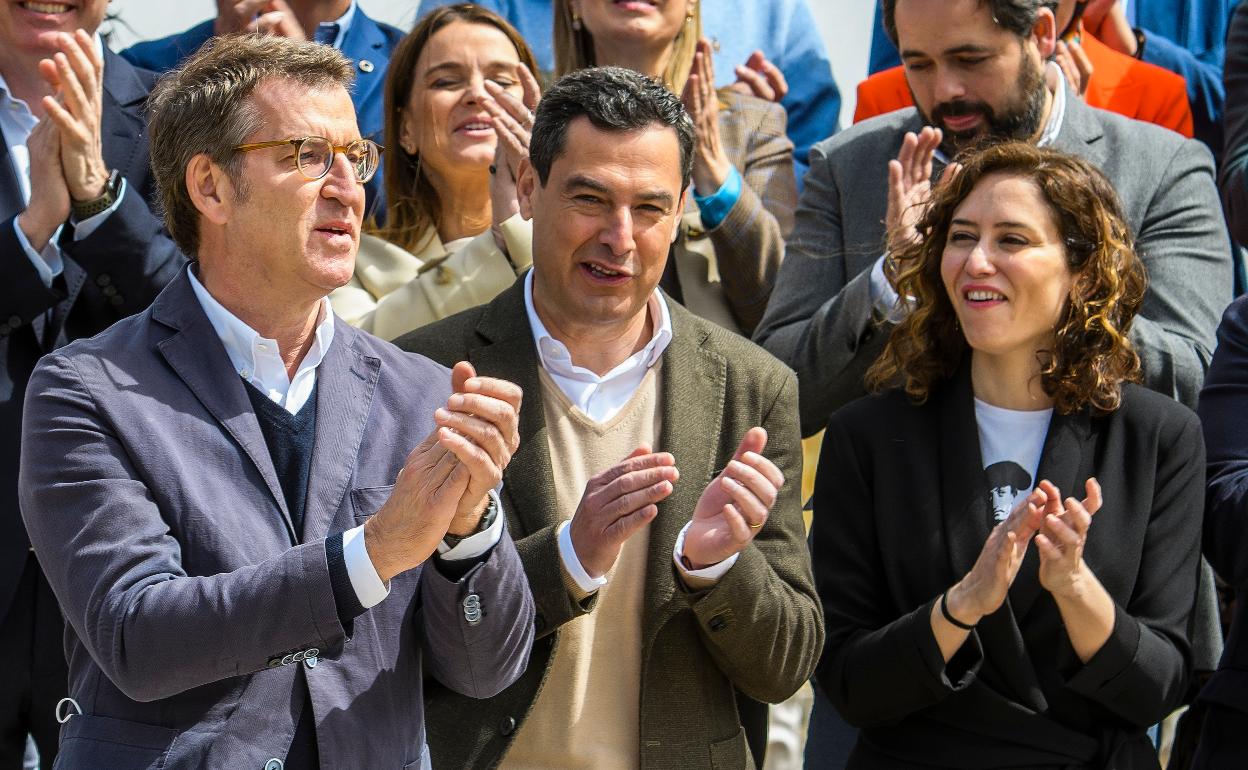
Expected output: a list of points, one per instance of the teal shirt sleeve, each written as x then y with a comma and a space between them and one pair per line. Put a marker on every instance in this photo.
715, 207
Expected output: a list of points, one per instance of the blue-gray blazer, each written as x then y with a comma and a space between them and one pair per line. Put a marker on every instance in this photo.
155, 511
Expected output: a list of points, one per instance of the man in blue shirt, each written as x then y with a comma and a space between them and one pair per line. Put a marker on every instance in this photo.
783, 30
341, 23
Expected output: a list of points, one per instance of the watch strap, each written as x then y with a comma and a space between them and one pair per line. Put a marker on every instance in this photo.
87, 209
487, 521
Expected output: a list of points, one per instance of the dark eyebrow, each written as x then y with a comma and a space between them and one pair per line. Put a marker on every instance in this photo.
1007, 224
650, 196
970, 48
446, 65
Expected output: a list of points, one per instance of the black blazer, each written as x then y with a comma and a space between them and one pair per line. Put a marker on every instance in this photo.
1224, 415
115, 272
901, 513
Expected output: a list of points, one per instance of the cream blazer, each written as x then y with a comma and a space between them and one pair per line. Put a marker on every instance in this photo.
394, 291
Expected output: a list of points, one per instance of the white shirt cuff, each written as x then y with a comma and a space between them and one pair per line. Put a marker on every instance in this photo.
884, 297
83, 229
573, 565
364, 578
48, 262
706, 574
476, 544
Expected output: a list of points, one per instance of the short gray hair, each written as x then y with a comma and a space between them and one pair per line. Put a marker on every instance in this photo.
205, 107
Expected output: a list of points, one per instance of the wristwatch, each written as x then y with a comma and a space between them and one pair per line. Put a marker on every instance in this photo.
87, 209
487, 520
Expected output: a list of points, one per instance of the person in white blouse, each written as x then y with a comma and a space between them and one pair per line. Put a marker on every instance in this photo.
654, 499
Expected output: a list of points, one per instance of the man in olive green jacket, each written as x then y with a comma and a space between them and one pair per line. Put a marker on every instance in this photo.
673, 587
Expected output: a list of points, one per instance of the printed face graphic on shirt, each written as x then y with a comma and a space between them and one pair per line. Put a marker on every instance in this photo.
1008, 485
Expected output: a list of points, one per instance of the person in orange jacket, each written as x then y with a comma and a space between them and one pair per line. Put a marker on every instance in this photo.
1106, 78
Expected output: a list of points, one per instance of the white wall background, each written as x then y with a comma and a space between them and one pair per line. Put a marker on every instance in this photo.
845, 24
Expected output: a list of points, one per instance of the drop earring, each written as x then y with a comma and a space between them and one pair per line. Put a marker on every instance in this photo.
576, 22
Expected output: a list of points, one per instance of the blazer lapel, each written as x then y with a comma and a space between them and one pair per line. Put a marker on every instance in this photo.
1066, 461
693, 387
966, 511
197, 356
1081, 132
345, 383
365, 45
510, 354
121, 127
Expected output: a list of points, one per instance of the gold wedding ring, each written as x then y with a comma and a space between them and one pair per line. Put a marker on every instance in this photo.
756, 526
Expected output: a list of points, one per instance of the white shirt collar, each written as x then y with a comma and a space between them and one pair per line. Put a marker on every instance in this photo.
258, 360
1055, 82
598, 397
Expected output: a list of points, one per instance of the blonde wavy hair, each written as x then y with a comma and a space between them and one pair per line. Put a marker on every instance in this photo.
1091, 354
574, 48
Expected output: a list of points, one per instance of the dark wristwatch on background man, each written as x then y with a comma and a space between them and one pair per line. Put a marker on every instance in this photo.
89, 208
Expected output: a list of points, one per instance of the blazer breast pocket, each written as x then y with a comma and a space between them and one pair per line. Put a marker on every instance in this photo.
365, 501
94, 741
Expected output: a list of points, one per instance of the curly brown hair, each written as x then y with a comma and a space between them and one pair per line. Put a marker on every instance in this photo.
1091, 355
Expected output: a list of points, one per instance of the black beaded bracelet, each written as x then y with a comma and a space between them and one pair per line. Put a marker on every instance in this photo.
944, 610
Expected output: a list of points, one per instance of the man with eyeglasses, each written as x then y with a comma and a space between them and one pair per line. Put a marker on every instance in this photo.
267, 528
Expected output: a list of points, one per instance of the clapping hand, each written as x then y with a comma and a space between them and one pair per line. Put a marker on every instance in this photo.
76, 76
710, 164
983, 590
444, 484
759, 77
617, 503
273, 17
512, 119
1063, 534
734, 506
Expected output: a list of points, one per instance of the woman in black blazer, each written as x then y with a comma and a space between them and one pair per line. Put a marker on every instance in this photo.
973, 621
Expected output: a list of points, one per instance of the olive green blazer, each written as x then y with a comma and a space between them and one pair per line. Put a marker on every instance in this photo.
759, 630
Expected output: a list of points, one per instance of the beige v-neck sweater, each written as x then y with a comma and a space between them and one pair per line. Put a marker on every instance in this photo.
587, 713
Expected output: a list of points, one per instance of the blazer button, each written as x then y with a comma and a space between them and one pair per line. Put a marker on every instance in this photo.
718, 623
103, 279
472, 609
116, 299
109, 291
507, 726
274, 764
15, 321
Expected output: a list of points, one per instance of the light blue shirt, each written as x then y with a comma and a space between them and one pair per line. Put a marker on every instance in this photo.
784, 30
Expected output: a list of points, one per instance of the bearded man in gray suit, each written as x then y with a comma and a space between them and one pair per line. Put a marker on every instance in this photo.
211, 487
977, 70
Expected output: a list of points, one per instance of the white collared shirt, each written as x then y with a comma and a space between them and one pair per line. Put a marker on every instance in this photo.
257, 360
16, 123
601, 398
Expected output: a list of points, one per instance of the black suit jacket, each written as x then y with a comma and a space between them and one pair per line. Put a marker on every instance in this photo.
113, 273
1225, 420
901, 513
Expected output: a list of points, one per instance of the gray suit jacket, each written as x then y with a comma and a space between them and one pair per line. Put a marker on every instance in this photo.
157, 515
819, 319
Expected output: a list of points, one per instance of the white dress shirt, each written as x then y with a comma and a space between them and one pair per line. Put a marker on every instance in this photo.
16, 123
258, 361
601, 398
884, 297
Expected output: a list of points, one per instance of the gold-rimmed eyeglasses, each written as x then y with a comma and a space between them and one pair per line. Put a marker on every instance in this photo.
314, 155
